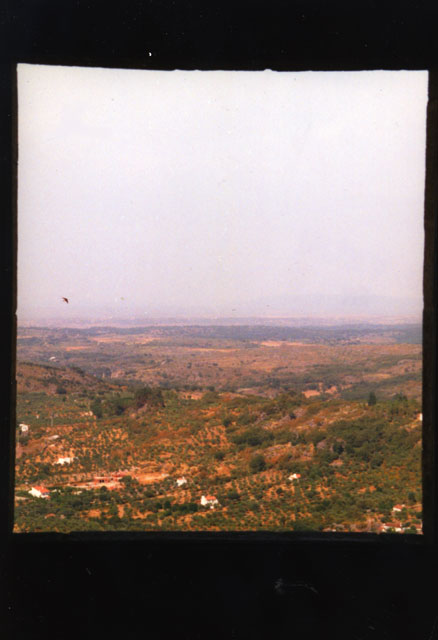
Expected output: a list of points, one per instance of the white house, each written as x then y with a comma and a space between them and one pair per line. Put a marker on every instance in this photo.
24, 428
52, 358
210, 501
398, 507
294, 476
39, 492
64, 460
181, 481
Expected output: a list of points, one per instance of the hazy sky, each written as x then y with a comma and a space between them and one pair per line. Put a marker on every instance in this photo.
219, 193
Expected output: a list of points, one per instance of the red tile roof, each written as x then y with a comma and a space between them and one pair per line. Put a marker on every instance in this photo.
41, 489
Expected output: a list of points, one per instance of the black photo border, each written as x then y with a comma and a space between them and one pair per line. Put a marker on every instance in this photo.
122, 576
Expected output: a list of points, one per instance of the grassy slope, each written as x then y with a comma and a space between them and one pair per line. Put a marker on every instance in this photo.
355, 461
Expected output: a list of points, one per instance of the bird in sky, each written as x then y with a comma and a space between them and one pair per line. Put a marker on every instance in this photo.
65, 299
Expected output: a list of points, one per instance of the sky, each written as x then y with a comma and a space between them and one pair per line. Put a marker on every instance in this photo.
213, 193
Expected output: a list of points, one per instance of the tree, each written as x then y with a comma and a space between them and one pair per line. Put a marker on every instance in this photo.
149, 396
338, 448
96, 408
257, 463
372, 400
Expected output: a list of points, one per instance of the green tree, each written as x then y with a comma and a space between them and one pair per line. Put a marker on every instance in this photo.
149, 396
338, 448
372, 400
257, 463
96, 407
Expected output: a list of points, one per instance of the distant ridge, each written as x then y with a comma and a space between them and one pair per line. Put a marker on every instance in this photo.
309, 321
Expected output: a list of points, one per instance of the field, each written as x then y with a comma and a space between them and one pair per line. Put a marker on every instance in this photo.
219, 428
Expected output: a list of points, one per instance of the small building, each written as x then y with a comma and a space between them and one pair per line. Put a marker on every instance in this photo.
101, 479
63, 461
398, 507
52, 358
209, 501
24, 428
294, 476
39, 492
181, 481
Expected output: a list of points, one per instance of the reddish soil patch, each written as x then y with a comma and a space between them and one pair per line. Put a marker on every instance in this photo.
149, 478
78, 348
311, 392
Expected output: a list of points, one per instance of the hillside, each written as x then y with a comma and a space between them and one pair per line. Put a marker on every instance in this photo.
49, 379
274, 457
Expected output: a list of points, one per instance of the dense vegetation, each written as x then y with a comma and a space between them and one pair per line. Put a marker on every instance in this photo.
314, 445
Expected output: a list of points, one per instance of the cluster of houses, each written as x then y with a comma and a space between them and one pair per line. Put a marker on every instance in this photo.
395, 525
211, 501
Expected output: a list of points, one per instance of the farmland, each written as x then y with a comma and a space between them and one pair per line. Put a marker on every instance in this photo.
315, 428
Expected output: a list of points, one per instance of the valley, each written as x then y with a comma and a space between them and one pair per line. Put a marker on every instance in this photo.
219, 428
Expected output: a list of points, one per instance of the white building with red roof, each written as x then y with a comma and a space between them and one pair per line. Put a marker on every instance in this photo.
39, 492
398, 507
209, 501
